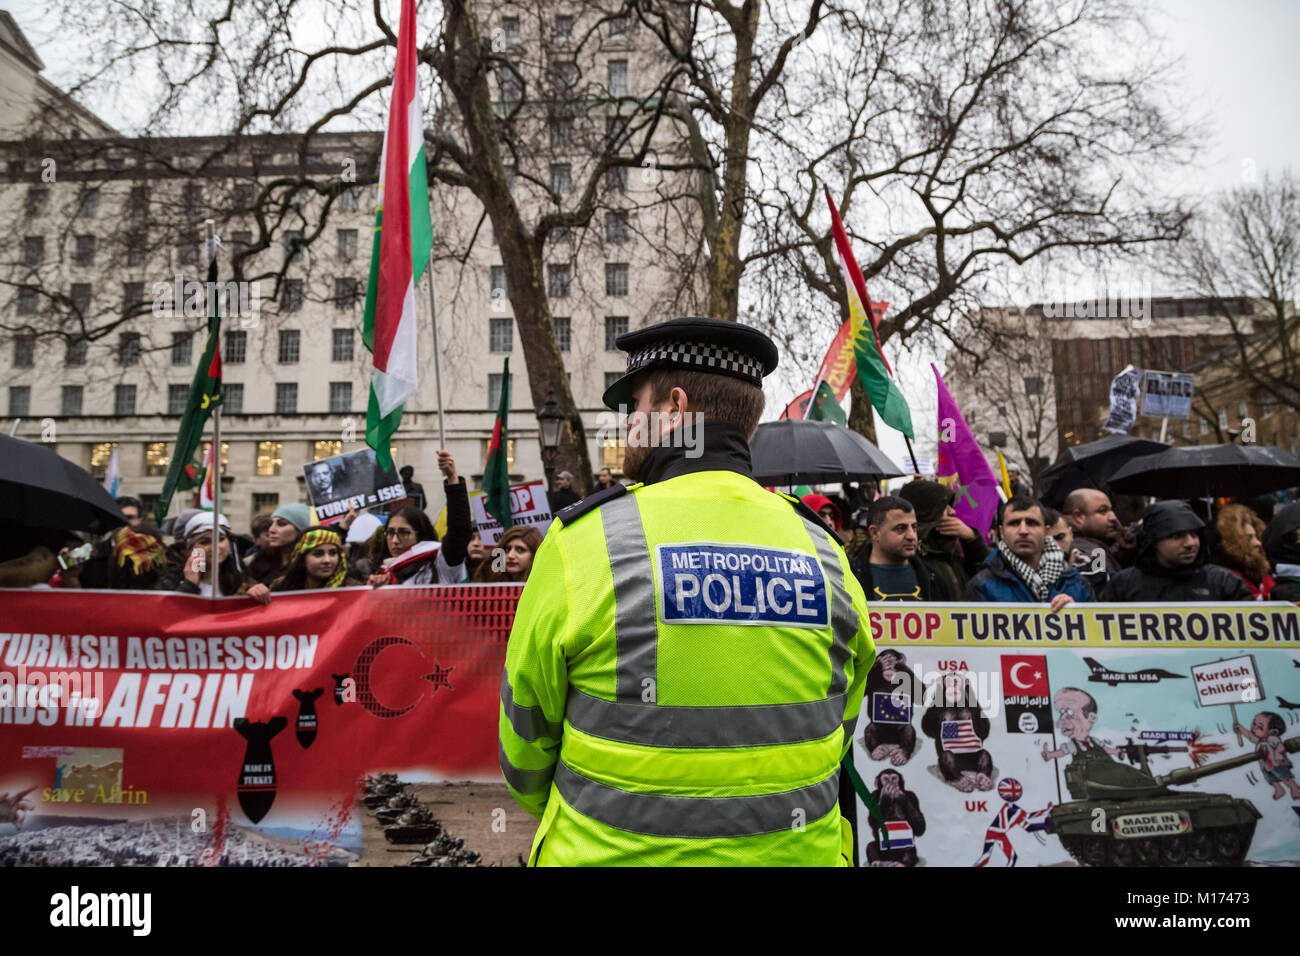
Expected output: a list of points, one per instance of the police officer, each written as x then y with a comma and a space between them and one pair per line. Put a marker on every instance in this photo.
689, 654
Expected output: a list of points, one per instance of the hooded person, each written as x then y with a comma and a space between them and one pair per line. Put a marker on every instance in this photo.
1238, 548
827, 509
953, 551
1282, 547
193, 575
288, 522
137, 558
1173, 563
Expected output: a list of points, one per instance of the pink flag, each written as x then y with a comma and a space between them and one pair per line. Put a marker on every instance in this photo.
963, 467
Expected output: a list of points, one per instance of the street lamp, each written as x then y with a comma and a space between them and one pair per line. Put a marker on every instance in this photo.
550, 420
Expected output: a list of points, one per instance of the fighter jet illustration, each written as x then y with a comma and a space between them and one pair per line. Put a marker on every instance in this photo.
1287, 705
1147, 675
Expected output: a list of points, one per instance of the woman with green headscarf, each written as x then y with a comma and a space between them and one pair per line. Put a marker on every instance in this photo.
319, 560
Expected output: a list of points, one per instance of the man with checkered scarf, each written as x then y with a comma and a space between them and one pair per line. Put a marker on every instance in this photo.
1027, 566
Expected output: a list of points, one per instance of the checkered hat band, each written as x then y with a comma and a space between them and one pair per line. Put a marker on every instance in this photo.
698, 355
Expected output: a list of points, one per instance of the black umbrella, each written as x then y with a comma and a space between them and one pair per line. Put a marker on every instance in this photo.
805, 452
1091, 465
38, 489
1206, 471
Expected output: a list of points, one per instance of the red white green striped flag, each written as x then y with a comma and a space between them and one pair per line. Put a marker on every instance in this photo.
403, 240
877, 377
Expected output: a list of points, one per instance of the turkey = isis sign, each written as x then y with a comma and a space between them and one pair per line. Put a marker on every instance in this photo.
229, 722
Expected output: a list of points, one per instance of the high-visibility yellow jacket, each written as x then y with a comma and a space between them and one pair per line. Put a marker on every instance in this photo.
683, 678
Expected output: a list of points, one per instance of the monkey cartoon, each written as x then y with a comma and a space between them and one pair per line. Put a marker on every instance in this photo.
891, 677
897, 804
959, 728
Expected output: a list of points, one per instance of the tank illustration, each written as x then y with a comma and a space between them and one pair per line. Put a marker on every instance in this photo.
1122, 815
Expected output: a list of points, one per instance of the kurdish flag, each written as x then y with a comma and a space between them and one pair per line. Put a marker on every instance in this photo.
876, 375
402, 243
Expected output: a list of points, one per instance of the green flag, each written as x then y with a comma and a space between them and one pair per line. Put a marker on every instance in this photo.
184, 471
825, 408
496, 473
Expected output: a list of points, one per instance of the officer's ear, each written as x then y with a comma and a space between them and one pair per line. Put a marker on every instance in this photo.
679, 402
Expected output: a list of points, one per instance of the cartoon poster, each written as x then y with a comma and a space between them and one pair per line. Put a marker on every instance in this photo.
1109, 736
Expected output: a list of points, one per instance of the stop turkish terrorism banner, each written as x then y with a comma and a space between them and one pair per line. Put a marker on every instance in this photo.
1103, 735
221, 730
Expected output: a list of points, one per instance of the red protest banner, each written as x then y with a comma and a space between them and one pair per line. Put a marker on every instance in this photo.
121, 706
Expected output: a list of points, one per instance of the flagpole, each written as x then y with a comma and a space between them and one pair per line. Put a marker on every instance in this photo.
437, 359
210, 246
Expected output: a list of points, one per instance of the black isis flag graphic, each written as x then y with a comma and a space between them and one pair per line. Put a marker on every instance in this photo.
339, 689
305, 729
257, 775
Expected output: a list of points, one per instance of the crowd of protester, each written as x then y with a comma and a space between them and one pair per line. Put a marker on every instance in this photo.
283, 550
905, 546
911, 546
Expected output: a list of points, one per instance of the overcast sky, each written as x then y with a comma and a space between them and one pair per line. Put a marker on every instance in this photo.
1240, 75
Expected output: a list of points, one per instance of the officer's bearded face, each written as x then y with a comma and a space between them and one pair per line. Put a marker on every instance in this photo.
645, 426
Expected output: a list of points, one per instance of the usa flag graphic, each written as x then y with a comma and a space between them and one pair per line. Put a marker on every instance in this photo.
958, 736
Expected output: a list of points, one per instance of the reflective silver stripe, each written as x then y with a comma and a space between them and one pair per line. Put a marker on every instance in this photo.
525, 781
849, 726
740, 726
663, 816
529, 723
844, 621
636, 634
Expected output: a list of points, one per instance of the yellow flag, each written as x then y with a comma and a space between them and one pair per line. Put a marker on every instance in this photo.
1006, 479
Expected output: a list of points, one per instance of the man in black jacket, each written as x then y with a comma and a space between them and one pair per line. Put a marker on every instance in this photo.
1282, 545
1172, 562
887, 567
952, 550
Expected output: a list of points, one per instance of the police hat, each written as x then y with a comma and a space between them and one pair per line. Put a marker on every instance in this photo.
697, 345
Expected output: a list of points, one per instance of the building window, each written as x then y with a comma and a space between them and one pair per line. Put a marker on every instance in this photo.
340, 397
38, 200
26, 301
611, 378
128, 349
501, 335
135, 251
132, 296
1265, 409
33, 250
616, 229
615, 325
560, 130
561, 236
232, 398
345, 294
616, 179
510, 85
1223, 418
616, 278
1033, 385
510, 29
24, 351
137, 204
341, 347
20, 401
156, 459
290, 340
225, 453
611, 454
291, 295
270, 456
293, 244
182, 348
557, 281
499, 290
328, 449
236, 347
75, 355
347, 243
563, 331
1205, 427
123, 400
88, 202
81, 296
84, 251
510, 453
561, 181
178, 396
187, 250
286, 398
494, 389
265, 502
616, 128
100, 453
618, 77
618, 27
563, 32
72, 398
1243, 410
350, 199
511, 174
192, 201
565, 75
